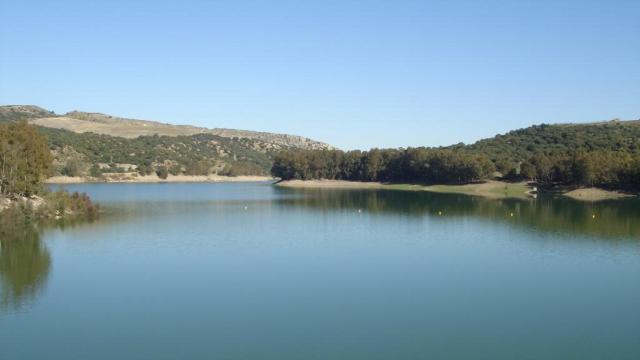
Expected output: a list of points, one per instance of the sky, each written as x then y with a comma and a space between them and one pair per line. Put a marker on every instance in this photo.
355, 74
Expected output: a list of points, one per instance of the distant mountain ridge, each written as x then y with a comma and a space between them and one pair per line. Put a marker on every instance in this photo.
98, 123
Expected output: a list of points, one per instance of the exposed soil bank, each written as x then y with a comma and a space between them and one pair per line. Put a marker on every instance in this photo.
489, 189
595, 194
335, 184
136, 178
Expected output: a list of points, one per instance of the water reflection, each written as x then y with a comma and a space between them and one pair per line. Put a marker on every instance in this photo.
609, 219
25, 264
25, 261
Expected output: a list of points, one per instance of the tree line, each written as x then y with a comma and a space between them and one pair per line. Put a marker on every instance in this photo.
416, 165
602, 168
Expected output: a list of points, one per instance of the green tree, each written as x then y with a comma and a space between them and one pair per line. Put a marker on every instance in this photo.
73, 167
582, 169
162, 172
25, 159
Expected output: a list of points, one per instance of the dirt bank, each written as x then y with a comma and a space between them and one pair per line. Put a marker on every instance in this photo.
595, 194
490, 189
136, 178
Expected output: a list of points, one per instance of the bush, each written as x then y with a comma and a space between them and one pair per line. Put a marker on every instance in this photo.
62, 205
162, 172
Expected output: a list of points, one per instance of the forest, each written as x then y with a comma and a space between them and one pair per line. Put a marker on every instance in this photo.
605, 155
415, 165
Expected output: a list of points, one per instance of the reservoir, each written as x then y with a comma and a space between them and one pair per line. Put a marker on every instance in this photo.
253, 271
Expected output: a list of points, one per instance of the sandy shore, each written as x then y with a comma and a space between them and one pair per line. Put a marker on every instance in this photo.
136, 178
489, 189
595, 194
335, 184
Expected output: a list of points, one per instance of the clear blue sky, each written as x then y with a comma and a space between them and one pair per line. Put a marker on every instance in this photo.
356, 74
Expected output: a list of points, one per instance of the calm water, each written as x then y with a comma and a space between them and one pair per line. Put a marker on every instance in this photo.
249, 271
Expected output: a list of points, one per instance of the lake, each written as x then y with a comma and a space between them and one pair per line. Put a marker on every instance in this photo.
252, 271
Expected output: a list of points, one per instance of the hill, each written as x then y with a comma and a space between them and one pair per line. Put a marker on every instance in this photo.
605, 154
91, 144
83, 122
23, 112
508, 150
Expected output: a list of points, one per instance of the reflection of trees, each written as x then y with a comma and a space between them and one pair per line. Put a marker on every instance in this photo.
24, 262
612, 219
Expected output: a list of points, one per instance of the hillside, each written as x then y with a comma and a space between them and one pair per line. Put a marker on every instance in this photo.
605, 154
84, 122
520, 145
23, 112
86, 144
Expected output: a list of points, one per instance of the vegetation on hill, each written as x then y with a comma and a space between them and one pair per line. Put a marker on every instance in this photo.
605, 154
601, 154
84, 122
90, 144
22, 112
93, 154
519, 145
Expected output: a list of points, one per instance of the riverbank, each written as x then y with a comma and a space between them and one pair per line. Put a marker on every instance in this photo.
489, 189
137, 178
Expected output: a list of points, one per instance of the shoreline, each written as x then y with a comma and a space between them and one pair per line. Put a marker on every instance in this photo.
488, 189
492, 189
150, 179
595, 194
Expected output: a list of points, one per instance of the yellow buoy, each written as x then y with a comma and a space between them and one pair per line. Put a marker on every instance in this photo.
439, 213
593, 216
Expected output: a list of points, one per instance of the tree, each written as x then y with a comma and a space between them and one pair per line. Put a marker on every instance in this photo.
162, 172
25, 159
582, 170
73, 167
372, 164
